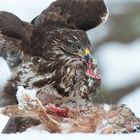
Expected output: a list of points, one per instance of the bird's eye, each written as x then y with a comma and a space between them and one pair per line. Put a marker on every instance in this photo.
75, 46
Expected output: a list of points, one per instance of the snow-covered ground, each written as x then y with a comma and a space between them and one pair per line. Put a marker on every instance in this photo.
122, 62
36, 134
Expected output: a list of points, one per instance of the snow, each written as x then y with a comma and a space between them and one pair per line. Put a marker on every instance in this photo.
36, 135
5, 73
3, 121
119, 63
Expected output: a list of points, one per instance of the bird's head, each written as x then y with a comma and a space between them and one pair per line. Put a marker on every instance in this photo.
66, 46
74, 46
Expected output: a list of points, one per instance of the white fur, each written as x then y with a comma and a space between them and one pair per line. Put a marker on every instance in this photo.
106, 107
21, 93
5, 73
104, 122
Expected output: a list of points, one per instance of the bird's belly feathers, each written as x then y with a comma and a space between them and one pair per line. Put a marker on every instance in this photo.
74, 87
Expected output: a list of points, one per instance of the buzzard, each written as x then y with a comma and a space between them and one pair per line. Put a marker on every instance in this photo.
52, 53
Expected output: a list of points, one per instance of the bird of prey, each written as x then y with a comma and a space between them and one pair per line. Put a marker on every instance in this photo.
52, 53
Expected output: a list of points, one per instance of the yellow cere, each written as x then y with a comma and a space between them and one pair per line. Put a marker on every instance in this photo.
86, 51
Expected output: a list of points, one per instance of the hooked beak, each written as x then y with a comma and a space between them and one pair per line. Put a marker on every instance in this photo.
89, 62
86, 55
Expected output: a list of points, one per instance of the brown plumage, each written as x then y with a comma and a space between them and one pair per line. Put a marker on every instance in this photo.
15, 35
54, 53
55, 60
78, 14
67, 68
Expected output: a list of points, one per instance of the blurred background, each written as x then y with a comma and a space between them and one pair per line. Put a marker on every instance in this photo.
115, 45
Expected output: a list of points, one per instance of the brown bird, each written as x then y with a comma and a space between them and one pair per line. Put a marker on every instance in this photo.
53, 55
54, 58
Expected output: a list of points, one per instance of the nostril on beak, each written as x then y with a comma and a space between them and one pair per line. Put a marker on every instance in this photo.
88, 57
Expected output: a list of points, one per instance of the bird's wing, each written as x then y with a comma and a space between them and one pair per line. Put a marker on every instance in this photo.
11, 25
80, 14
15, 36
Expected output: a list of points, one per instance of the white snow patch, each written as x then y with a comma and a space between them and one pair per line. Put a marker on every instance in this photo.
3, 121
43, 135
5, 73
37, 128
